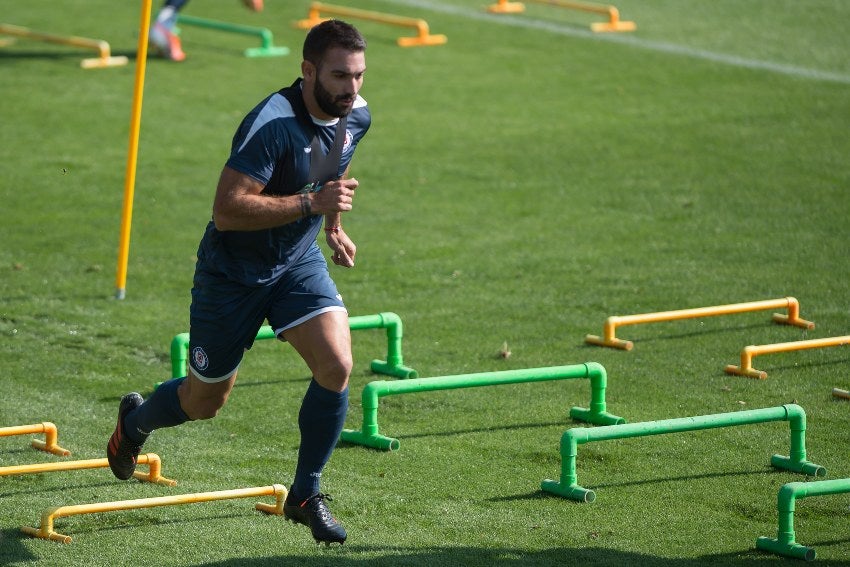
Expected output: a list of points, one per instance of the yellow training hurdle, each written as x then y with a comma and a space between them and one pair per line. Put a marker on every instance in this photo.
45, 529
614, 24
151, 459
610, 339
423, 36
104, 58
748, 352
51, 435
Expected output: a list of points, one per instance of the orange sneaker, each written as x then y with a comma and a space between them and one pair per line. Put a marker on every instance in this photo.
167, 43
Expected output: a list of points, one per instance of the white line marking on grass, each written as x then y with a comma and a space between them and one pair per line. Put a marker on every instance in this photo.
660, 46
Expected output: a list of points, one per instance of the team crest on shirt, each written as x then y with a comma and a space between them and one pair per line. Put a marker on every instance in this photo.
349, 138
200, 358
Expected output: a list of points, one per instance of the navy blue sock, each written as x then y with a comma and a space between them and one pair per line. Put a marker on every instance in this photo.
320, 420
161, 409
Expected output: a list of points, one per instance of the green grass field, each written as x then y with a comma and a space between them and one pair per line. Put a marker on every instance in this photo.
519, 185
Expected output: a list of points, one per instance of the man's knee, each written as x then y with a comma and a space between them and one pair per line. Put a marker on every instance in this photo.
206, 408
200, 400
334, 373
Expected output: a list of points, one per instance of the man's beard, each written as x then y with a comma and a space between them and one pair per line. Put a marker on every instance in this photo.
328, 103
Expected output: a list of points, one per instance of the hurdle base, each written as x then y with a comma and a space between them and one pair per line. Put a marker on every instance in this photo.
54, 449
309, 23
801, 467
103, 62
748, 372
613, 343
595, 417
374, 441
571, 491
839, 393
424, 40
613, 27
507, 8
46, 534
395, 370
274, 51
790, 549
155, 479
795, 321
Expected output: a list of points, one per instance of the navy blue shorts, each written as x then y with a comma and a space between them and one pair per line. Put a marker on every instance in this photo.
225, 316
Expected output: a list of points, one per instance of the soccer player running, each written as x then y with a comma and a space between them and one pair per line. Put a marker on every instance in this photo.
259, 259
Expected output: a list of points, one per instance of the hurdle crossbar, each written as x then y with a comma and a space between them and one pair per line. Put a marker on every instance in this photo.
567, 486
839, 393
423, 35
609, 338
46, 531
785, 543
152, 460
51, 435
392, 366
369, 436
751, 351
614, 24
104, 58
267, 47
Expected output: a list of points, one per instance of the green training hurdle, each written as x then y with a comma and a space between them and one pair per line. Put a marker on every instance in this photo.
392, 366
784, 543
369, 436
568, 486
267, 47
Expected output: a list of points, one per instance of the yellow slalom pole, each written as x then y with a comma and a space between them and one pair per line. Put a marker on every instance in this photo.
51, 436
133, 153
151, 459
45, 529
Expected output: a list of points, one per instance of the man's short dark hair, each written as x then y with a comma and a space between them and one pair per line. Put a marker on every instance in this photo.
330, 34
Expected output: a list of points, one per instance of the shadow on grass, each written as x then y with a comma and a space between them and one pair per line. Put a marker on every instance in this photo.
38, 489
678, 336
391, 556
12, 550
454, 432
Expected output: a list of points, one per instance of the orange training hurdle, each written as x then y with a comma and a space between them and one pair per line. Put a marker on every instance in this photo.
51, 435
748, 352
104, 58
609, 338
151, 459
423, 36
614, 24
45, 529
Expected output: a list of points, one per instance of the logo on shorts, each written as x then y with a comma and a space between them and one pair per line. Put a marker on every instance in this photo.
200, 358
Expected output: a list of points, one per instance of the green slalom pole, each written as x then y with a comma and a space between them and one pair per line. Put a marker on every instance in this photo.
369, 435
267, 47
392, 366
785, 544
568, 486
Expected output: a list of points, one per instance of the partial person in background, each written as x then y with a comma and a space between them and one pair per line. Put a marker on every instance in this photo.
162, 35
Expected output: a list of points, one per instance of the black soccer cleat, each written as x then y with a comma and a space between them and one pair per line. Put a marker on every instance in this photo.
121, 452
314, 513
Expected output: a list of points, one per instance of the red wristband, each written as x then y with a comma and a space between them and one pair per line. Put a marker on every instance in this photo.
333, 229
